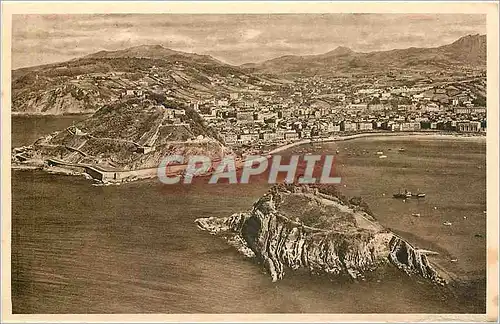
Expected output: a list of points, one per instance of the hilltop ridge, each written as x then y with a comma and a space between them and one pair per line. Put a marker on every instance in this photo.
468, 50
152, 52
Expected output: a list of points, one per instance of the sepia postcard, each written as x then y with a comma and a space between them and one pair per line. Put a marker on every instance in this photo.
249, 161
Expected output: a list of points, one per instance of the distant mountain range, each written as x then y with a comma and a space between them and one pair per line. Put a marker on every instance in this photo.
76, 87
467, 51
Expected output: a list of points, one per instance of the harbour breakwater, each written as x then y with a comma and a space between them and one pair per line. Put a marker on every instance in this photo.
293, 227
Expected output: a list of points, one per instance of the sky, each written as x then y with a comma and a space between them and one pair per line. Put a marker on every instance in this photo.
232, 38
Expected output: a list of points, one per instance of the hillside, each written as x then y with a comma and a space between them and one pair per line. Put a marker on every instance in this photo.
83, 85
127, 135
468, 51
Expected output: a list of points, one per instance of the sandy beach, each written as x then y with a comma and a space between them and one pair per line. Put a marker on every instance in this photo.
405, 135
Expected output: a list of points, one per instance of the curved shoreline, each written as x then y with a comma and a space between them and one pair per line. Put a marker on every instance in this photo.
403, 135
151, 172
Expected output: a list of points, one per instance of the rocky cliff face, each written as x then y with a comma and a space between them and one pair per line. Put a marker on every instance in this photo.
300, 227
40, 95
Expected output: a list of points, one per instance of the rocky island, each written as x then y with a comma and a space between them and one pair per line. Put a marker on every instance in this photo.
293, 227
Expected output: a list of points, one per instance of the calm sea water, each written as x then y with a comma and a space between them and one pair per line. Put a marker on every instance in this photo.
77, 248
27, 129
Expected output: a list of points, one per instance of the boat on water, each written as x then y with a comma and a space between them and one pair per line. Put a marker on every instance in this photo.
407, 194
403, 195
